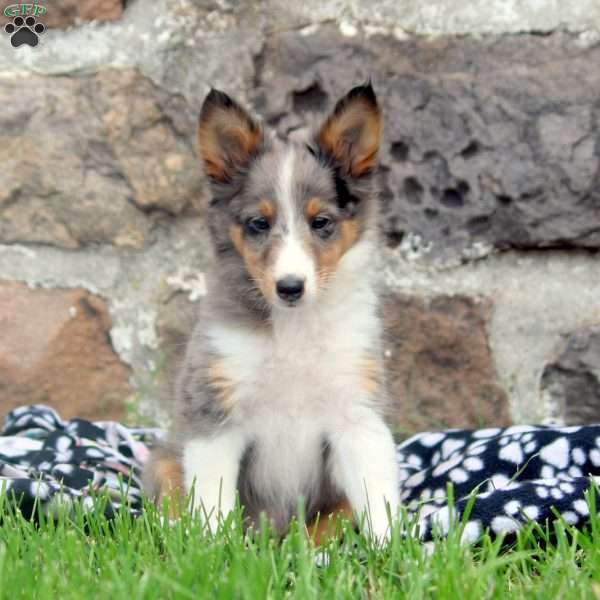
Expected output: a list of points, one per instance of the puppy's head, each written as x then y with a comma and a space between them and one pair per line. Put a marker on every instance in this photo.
283, 215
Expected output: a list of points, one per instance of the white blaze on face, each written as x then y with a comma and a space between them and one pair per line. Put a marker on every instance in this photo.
293, 260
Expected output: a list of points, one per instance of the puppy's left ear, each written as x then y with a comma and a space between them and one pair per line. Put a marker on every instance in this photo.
352, 133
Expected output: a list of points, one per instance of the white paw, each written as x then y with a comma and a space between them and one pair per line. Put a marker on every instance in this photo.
381, 534
379, 527
213, 519
209, 518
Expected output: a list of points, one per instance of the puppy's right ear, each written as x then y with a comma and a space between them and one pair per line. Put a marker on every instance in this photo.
228, 137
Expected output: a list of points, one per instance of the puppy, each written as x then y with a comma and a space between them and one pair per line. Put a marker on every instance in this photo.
282, 395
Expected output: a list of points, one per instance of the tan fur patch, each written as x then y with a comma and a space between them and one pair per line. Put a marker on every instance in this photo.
267, 210
329, 256
227, 140
323, 527
370, 375
168, 475
223, 387
313, 208
255, 264
353, 136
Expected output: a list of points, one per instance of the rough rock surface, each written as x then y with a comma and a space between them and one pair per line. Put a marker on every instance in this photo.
64, 13
570, 384
439, 364
487, 140
85, 158
71, 12
54, 349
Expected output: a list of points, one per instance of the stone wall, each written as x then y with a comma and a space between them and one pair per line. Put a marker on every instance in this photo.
490, 193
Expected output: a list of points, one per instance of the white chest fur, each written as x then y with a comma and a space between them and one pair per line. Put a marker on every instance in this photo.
298, 381
306, 362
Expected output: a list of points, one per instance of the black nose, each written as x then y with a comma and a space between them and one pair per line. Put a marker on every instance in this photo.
290, 289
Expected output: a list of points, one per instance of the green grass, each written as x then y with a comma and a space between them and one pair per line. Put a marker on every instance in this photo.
91, 557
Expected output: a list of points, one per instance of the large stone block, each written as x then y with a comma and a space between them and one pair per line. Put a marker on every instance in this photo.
61, 14
55, 349
488, 140
91, 158
570, 383
439, 364
71, 12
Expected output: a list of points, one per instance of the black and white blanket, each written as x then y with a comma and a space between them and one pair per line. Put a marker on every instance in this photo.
507, 476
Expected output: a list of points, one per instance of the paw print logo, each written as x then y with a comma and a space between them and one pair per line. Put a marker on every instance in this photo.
24, 31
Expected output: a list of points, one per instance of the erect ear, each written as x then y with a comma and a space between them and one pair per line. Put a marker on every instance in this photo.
352, 133
228, 137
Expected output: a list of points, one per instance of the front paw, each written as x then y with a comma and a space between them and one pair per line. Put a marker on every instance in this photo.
380, 530
214, 509
212, 521
211, 516
380, 522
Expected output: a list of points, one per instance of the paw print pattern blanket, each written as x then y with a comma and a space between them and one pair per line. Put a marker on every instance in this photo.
506, 477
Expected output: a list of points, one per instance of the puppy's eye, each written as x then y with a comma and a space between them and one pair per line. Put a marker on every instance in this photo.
256, 226
323, 226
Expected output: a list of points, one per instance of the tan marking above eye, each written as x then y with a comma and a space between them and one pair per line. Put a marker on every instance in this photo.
313, 208
267, 210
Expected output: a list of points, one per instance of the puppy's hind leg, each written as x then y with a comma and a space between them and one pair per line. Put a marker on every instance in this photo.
162, 479
323, 527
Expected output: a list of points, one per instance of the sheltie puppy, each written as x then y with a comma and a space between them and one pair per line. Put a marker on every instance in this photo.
282, 395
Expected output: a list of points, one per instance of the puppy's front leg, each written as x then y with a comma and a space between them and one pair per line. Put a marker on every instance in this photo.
211, 466
364, 468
